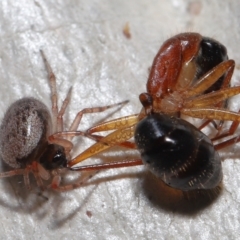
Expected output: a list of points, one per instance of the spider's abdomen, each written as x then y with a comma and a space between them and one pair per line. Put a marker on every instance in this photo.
178, 153
24, 131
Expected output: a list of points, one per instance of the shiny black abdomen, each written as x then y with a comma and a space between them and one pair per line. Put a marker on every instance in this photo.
210, 54
178, 153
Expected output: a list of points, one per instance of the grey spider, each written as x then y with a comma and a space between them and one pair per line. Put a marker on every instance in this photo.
33, 141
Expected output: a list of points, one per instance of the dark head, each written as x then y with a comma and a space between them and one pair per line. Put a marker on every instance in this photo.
53, 157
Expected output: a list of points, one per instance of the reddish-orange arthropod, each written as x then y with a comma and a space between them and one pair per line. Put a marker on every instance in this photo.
190, 75
31, 141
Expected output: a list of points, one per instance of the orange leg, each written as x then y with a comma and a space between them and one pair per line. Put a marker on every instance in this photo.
227, 143
113, 139
114, 124
228, 133
125, 130
205, 106
98, 167
126, 144
211, 99
211, 77
207, 80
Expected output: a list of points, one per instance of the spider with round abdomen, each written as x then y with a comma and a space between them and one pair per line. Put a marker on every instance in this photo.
190, 75
33, 141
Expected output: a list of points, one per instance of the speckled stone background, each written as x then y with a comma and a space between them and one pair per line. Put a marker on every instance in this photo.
86, 47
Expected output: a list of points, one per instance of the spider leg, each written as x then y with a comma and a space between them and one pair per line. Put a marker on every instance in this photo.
77, 120
34, 168
12, 173
62, 111
26, 179
35, 171
55, 185
53, 87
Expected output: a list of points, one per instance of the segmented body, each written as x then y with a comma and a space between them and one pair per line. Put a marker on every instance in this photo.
178, 153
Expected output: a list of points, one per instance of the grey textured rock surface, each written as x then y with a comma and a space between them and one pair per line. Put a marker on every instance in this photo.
86, 47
